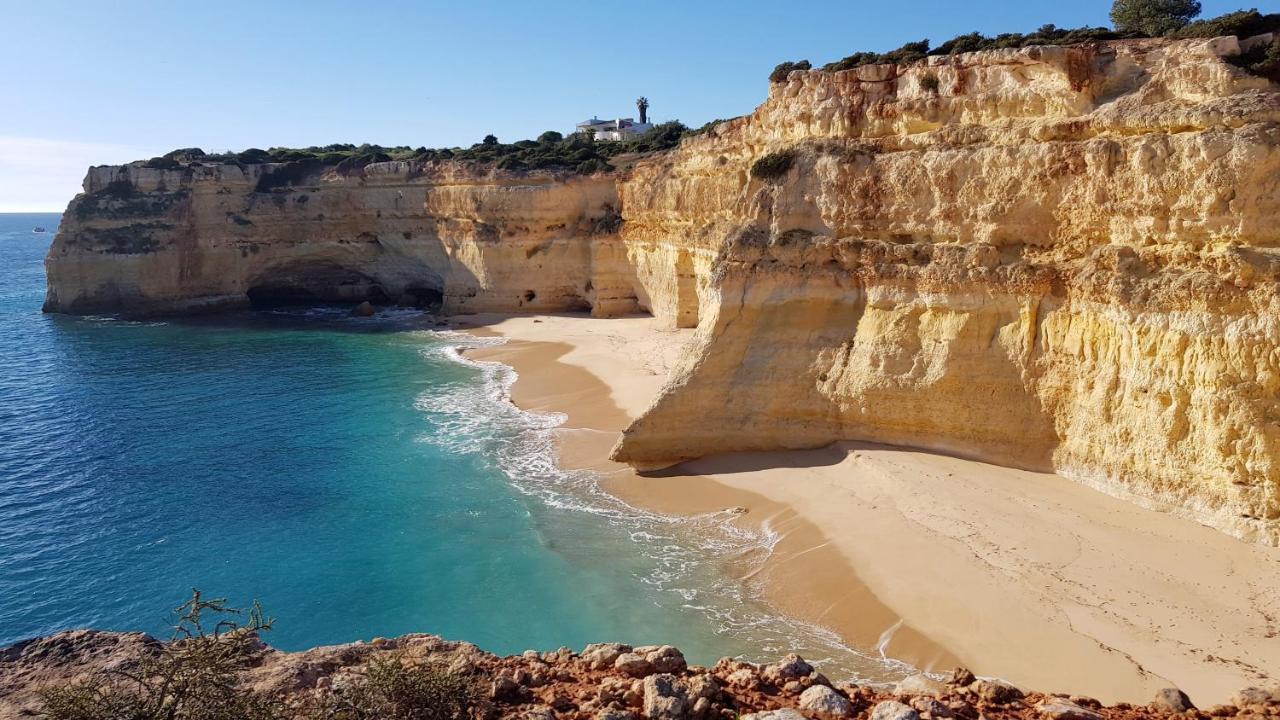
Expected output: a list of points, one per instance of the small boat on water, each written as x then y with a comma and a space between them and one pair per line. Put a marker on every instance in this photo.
38, 229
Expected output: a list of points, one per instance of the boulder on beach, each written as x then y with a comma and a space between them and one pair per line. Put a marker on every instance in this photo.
826, 703
919, 684
1172, 700
894, 710
1059, 709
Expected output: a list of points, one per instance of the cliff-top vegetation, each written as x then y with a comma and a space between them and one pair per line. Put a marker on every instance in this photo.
1133, 19
578, 152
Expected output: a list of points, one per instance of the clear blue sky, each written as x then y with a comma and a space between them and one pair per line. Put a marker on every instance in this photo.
100, 81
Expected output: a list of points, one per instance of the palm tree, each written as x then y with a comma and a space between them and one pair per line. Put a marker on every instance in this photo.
643, 105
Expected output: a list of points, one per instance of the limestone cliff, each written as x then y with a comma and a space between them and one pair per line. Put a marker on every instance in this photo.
148, 241
1055, 258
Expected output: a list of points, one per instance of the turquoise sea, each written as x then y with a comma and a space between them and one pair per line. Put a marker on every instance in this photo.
358, 476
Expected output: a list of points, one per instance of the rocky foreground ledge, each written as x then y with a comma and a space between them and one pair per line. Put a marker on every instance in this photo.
603, 682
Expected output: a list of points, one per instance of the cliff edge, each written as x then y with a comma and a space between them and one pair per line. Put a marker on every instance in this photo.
84, 673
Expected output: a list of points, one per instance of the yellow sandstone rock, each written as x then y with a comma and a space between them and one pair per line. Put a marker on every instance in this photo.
1064, 259
1053, 258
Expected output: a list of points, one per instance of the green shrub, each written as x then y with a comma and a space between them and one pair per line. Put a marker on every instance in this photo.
773, 165
908, 53
782, 70
253, 156
1241, 23
551, 151
662, 137
286, 175
397, 688
707, 126
1044, 35
1153, 18
1262, 60
975, 41
592, 166
971, 42
511, 162
929, 82
162, 163
358, 162
193, 677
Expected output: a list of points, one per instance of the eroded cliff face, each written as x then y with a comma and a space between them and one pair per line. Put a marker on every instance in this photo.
1054, 258
1062, 258
145, 241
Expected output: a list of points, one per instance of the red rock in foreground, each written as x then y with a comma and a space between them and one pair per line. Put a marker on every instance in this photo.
603, 682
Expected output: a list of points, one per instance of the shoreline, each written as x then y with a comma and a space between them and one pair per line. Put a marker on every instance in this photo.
784, 581
1059, 587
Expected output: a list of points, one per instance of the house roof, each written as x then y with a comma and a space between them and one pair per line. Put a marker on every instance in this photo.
598, 123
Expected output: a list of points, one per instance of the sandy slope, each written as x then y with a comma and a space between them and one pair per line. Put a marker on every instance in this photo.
1023, 575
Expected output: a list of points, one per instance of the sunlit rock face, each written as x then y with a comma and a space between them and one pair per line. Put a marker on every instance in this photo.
145, 241
1062, 258
1054, 258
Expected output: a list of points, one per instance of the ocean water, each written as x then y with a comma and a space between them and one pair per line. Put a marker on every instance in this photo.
358, 476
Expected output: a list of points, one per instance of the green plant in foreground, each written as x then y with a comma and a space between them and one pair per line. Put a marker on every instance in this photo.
196, 676
193, 677
396, 686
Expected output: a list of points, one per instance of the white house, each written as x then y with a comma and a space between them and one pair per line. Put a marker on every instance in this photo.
620, 129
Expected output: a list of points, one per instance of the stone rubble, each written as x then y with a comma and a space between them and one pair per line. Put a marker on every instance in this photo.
612, 681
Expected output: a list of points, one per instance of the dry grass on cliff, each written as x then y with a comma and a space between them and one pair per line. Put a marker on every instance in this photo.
198, 676
194, 677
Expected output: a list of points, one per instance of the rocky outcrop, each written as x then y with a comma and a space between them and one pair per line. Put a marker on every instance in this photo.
328, 681
1060, 259
208, 237
1057, 258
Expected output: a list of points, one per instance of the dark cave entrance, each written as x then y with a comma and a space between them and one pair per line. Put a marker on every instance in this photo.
277, 294
315, 283
422, 297
320, 283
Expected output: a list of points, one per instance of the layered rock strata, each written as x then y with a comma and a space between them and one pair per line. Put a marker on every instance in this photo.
1062, 258
1053, 258
148, 241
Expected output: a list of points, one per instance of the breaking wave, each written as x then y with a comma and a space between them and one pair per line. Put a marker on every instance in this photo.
706, 563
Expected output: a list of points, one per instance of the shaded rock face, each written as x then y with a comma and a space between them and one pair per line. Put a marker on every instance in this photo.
1059, 259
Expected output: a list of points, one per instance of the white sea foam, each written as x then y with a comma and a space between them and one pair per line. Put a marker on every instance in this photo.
687, 557
119, 321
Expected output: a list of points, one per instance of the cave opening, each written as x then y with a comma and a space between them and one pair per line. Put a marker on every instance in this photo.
322, 283
428, 298
273, 296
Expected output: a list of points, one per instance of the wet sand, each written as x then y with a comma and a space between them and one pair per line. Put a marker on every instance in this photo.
942, 561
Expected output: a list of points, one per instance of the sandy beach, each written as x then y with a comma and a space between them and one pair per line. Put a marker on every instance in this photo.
1021, 575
